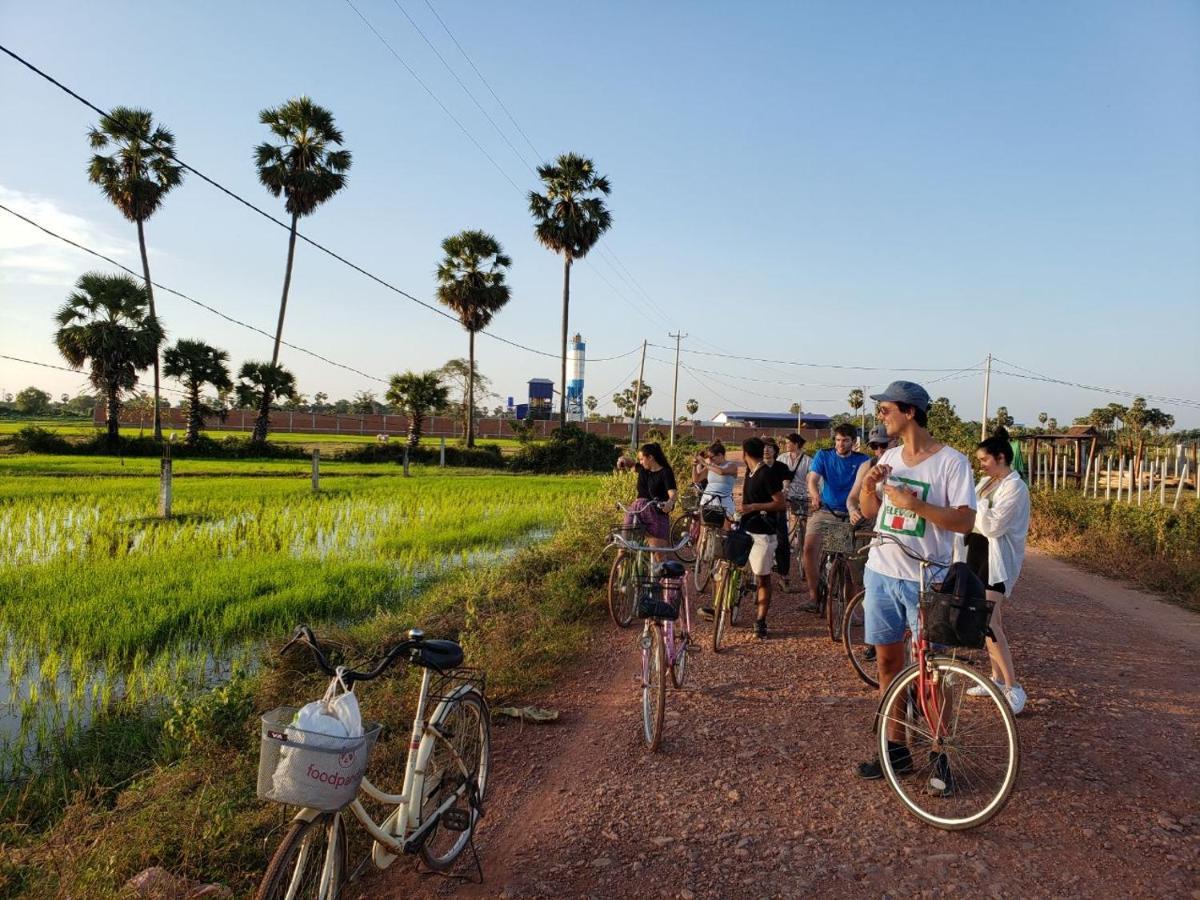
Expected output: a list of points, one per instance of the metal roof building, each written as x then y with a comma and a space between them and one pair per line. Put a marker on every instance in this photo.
773, 419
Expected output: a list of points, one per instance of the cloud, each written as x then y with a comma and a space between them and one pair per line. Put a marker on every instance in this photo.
29, 256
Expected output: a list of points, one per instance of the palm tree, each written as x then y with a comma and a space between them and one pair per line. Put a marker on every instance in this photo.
692, 406
107, 322
415, 394
196, 364
259, 383
569, 219
591, 403
135, 178
305, 169
471, 282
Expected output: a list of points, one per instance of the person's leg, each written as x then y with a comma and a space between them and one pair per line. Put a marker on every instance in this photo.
998, 651
812, 557
885, 626
783, 552
764, 596
890, 658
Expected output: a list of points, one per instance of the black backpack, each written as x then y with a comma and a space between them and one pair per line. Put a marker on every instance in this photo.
957, 611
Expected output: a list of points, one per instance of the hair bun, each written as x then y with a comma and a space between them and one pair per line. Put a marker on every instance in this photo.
1001, 433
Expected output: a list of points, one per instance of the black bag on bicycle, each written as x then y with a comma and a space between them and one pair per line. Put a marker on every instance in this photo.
957, 611
653, 605
712, 514
735, 547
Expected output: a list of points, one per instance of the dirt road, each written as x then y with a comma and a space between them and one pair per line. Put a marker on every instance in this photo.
751, 794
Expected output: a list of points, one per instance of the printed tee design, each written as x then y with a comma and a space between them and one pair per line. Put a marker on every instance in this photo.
903, 521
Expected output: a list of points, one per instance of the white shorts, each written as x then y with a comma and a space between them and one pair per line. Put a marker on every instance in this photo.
762, 554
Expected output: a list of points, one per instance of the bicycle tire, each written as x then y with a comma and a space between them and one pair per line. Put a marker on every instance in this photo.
681, 526
796, 538
292, 873
702, 569
654, 688
854, 641
464, 724
839, 597
621, 580
981, 748
681, 640
720, 601
736, 596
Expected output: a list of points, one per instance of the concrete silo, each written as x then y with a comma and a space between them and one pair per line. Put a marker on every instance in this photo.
575, 353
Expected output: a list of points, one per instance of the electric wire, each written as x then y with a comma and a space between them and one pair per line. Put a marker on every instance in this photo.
34, 362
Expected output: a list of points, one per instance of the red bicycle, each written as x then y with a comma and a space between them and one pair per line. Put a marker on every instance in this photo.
962, 752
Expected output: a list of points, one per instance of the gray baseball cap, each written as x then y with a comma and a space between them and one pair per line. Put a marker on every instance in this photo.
878, 435
905, 392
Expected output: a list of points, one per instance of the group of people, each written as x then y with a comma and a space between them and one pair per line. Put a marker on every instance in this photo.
911, 486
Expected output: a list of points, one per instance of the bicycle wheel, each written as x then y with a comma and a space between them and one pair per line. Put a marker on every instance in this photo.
964, 761
721, 596
309, 862
654, 685
840, 590
680, 527
702, 570
855, 642
621, 589
457, 767
796, 537
736, 596
680, 640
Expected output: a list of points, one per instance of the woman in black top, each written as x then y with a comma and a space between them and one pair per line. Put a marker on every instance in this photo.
655, 493
783, 549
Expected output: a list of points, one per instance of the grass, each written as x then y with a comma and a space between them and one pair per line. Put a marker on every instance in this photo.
96, 593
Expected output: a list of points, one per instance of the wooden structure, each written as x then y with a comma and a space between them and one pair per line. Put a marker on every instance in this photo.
1078, 443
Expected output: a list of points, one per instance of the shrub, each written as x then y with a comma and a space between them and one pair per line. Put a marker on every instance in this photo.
482, 456
32, 439
570, 449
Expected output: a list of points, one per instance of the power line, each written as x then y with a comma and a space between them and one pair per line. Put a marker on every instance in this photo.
183, 296
266, 215
34, 362
788, 362
1116, 392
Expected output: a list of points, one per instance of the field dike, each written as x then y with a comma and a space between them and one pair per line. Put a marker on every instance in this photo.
177, 789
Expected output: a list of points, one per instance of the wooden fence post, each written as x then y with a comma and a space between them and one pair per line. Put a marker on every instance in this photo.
316, 469
1179, 486
1162, 485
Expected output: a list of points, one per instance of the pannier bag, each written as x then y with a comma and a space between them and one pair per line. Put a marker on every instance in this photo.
957, 611
735, 547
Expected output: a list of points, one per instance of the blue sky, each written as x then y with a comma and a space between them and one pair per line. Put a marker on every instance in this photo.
902, 186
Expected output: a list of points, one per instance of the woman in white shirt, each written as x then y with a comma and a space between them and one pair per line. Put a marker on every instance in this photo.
995, 549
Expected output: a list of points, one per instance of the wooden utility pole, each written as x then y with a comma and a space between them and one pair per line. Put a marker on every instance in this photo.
637, 401
987, 386
675, 387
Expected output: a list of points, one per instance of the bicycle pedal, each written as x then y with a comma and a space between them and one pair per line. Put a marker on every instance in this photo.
456, 819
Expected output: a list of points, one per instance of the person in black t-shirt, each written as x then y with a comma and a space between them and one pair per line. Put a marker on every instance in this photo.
762, 498
656, 492
783, 549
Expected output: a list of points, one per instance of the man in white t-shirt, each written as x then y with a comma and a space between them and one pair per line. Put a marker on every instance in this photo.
922, 493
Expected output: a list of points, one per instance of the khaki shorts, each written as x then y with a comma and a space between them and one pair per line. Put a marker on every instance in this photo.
762, 554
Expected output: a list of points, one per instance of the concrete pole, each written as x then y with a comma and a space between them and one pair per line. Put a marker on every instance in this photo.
637, 402
1179, 486
1108, 479
316, 469
442, 454
987, 386
164, 488
406, 461
675, 386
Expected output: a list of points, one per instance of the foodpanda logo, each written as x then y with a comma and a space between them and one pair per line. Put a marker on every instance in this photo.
330, 778
346, 760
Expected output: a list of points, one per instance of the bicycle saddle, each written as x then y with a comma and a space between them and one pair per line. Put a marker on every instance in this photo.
671, 569
439, 654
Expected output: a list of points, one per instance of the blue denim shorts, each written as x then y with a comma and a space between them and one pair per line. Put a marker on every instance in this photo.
889, 607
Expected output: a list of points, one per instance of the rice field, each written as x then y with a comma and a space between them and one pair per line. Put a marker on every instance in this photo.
100, 601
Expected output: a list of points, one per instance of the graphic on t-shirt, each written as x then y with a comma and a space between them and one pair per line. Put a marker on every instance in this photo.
903, 521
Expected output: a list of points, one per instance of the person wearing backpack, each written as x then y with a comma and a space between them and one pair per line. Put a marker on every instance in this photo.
762, 499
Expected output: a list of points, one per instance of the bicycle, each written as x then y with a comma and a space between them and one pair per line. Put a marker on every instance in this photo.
445, 774
964, 751
688, 522
835, 580
797, 529
707, 535
731, 587
858, 651
665, 647
632, 565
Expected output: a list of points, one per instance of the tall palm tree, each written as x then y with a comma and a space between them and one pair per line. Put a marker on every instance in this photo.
569, 219
414, 394
306, 169
135, 177
261, 383
471, 282
106, 321
196, 364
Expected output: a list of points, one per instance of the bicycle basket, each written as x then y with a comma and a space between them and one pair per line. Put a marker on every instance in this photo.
956, 612
658, 598
632, 534
735, 547
712, 514
451, 683
838, 538
303, 768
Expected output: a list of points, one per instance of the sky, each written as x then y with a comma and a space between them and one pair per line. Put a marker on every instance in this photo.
855, 192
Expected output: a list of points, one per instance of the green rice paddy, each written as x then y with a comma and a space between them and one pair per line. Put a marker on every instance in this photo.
100, 600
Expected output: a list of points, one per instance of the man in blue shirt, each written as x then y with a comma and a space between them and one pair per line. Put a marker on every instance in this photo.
830, 478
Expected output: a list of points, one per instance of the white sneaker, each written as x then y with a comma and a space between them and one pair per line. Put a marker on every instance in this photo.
1016, 698
978, 690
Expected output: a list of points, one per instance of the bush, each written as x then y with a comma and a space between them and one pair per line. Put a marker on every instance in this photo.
32, 439
482, 456
570, 449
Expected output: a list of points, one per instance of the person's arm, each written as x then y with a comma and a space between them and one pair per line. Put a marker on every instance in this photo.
868, 494
814, 491
852, 500
729, 467
777, 504
1008, 506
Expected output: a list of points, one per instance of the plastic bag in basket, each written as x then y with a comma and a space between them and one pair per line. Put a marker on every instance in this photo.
337, 718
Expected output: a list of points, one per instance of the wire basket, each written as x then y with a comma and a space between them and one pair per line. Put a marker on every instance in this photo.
838, 537
451, 683
631, 534
689, 500
304, 768
658, 597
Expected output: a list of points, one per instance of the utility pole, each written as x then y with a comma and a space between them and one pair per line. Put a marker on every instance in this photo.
987, 386
675, 388
637, 401
863, 429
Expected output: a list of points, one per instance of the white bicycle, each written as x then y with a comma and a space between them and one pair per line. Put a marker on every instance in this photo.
444, 779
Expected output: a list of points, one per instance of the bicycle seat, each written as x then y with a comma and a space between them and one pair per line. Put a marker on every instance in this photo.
439, 654
671, 569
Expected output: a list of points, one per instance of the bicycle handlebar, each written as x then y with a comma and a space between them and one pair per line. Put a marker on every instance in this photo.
906, 550
304, 635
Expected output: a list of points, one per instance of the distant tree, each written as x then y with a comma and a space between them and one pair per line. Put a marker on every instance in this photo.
365, 403
106, 322
946, 425
591, 403
258, 379
416, 395
569, 219
319, 401
1052, 425
855, 400
628, 400
341, 407
136, 178
302, 166
456, 375
1042, 417
471, 282
196, 364
1003, 418
82, 404
1143, 422
32, 401
693, 407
